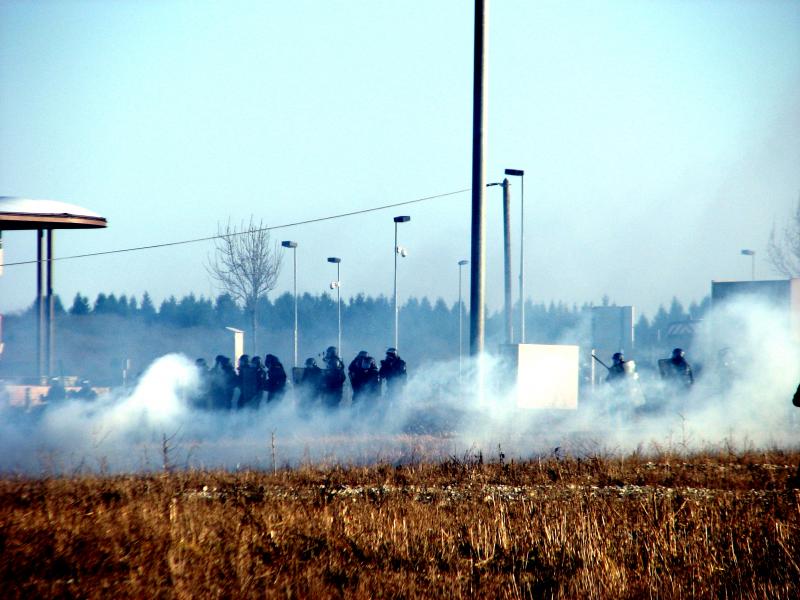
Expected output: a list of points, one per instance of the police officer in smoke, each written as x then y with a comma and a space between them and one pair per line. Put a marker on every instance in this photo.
261, 379
202, 396
309, 386
393, 372
222, 383
617, 369
275, 382
247, 382
677, 370
333, 378
364, 376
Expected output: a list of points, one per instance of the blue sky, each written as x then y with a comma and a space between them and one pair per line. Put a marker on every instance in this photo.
658, 139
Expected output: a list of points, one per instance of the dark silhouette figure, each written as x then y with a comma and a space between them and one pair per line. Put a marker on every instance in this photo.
617, 369
364, 377
202, 396
261, 378
393, 372
85, 391
247, 382
310, 383
677, 370
333, 378
275, 382
223, 381
57, 391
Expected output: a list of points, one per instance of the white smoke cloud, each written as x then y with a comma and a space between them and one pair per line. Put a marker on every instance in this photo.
743, 399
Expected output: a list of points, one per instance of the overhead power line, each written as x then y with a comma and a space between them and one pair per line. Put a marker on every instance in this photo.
215, 237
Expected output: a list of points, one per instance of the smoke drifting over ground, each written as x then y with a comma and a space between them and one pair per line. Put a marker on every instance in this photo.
748, 367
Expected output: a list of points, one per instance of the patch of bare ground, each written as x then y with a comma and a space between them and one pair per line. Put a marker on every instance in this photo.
669, 526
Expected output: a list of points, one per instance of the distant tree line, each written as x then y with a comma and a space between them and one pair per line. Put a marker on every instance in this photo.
96, 337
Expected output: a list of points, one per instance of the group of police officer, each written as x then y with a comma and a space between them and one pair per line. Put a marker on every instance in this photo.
224, 388
675, 370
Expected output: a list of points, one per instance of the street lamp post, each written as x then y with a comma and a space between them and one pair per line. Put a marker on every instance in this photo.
461, 264
402, 252
752, 255
509, 328
521, 174
337, 284
293, 246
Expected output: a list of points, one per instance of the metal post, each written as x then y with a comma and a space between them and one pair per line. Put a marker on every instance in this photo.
478, 252
40, 320
522, 261
507, 259
51, 317
294, 260
396, 317
339, 308
461, 263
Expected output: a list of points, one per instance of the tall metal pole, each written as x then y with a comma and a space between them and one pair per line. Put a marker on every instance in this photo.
522, 261
339, 308
51, 316
40, 320
396, 317
507, 260
461, 264
294, 260
477, 295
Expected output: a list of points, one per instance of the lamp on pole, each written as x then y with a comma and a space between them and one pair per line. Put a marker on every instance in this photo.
461, 264
752, 255
521, 174
293, 246
402, 252
336, 285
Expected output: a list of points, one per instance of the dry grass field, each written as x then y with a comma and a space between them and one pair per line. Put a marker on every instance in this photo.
668, 526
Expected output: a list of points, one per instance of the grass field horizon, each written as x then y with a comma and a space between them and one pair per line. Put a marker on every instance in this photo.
662, 523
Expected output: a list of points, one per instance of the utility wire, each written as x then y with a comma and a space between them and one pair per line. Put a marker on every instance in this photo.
215, 237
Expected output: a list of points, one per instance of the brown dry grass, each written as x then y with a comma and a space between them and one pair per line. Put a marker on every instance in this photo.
702, 526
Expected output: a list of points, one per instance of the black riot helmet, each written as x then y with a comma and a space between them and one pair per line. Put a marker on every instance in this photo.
618, 358
678, 354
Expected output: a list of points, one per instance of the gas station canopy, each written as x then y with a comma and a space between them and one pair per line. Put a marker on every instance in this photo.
23, 213
45, 216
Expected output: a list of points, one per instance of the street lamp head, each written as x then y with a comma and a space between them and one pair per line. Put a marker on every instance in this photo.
461, 263
334, 259
749, 252
402, 219
289, 244
517, 172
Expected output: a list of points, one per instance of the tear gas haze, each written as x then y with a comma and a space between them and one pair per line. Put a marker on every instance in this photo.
747, 361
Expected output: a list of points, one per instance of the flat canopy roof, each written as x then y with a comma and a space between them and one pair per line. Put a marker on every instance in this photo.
24, 213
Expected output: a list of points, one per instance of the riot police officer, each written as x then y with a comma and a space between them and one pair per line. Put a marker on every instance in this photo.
333, 378
678, 369
617, 369
275, 382
364, 376
247, 382
393, 372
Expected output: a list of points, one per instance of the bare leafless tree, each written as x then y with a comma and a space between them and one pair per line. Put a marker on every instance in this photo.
784, 250
246, 265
